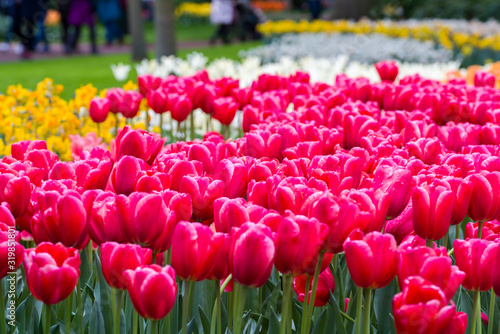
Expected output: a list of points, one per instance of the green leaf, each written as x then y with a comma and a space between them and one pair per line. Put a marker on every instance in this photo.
204, 320
382, 305
321, 325
104, 299
96, 321
337, 316
272, 301
466, 306
274, 322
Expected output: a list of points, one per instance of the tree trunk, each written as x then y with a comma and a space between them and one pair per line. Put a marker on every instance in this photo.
164, 28
352, 9
136, 27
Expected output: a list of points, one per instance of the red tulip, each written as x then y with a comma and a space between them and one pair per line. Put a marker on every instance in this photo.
397, 183
326, 284
234, 175
401, 226
485, 198
423, 308
52, 271
125, 174
152, 289
11, 251
192, 251
387, 70
203, 191
106, 222
180, 107
484, 79
476, 257
99, 109
252, 254
147, 83
137, 143
299, 242
490, 230
158, 100
6, 216
342, 216
117, 258
225, 109
432, 211
371, 259
148, 220
222, 247
62, 217
16, 191
432, 264
496, 273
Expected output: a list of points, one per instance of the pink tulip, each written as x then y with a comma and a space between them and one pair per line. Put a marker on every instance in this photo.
99, 109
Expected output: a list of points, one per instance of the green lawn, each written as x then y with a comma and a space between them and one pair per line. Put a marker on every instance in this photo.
74, 71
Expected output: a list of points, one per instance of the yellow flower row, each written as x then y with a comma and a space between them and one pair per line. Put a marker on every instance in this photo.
439, 33
42, 114
193, 9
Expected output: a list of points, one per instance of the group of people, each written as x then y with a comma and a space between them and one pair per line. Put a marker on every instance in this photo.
234, 18
28, 22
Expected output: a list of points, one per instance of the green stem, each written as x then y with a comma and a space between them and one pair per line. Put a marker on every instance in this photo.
359, 304
154, 257
287, 294
135, 320
80, 306
367, 312
219, 309
191, 120
216, 311
479, 230
154, 327
304, 307
261, 292
90, 257
67, 316
2, 308
161, 126
98, 130
457, 231
428, 243
491, 316
118, 310
185, 306
335, 262
147, 120
313, 292
346, 316
47, 318
445, 240
240, 307
116, 124
180, 132
476, 309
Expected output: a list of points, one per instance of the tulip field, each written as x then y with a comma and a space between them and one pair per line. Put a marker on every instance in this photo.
186, 204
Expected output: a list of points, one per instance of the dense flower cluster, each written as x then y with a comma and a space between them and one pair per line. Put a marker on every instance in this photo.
43, 115
200, 10
445, 33
377, 175
249, 69
359, 48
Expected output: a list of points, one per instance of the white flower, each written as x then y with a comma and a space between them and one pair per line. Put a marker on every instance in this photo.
120, 71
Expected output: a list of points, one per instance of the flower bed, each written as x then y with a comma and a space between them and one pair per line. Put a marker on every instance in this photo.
476, 41
367, 49
343, 205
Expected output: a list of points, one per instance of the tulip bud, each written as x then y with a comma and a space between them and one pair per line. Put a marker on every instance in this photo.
52, 271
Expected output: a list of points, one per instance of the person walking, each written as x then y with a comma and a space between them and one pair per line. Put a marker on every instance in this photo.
63, 8
30, 9
82, 12
222, 15
110, 13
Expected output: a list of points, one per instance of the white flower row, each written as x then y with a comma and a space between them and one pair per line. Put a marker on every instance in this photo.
369, 48
247, 70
